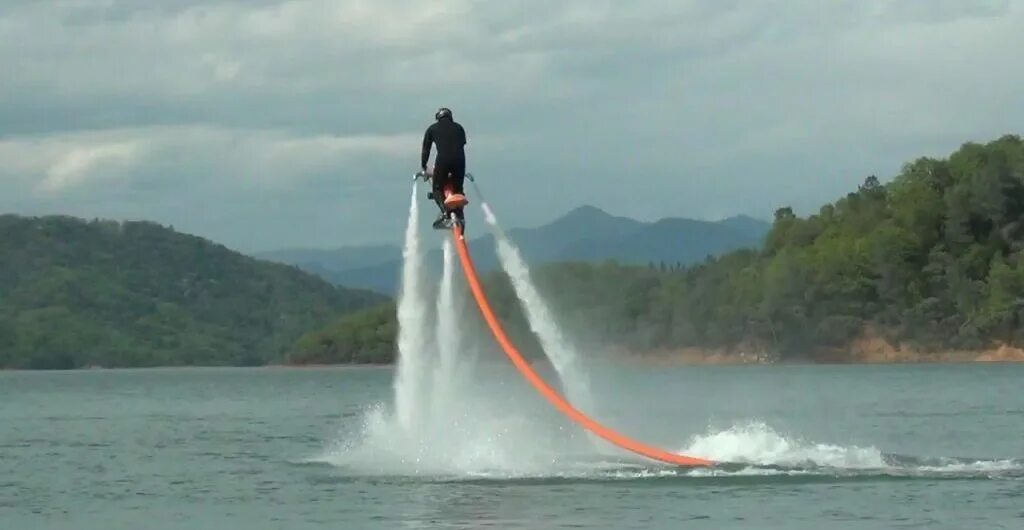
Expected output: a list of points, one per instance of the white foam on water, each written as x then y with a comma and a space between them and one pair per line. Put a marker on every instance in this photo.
977, 466
757, 443
752, 449
471, 439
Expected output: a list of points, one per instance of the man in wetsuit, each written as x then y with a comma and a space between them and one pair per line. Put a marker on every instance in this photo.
450, 162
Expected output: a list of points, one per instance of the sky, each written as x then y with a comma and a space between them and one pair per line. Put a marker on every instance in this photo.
265, 124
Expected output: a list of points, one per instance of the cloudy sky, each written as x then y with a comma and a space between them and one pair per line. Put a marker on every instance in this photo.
265, 124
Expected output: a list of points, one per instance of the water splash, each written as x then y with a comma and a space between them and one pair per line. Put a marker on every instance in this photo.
563, 356
453, 417
759, 444
412, 326
449, 342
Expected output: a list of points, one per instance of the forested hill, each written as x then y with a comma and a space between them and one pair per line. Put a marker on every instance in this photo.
931, 261
76, 293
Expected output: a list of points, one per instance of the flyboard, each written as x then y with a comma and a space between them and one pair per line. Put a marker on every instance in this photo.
449, 204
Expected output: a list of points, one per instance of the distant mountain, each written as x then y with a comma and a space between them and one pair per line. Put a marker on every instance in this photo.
76, 293
667, 241
328, 261
745, 224
586, 233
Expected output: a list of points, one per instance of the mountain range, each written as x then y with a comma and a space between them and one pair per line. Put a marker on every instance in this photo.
586, 234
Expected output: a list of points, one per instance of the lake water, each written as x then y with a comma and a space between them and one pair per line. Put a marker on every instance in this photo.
807, 447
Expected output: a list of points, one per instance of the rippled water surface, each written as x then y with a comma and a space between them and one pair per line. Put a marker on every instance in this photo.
802, 447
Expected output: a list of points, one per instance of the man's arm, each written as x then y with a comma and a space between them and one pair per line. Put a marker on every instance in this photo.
427, 140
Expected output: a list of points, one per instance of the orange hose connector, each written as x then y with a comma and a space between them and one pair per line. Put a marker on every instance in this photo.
560, 403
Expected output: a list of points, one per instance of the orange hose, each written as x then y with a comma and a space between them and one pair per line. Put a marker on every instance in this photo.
542, 387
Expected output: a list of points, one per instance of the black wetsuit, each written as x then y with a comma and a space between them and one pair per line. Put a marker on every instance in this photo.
450, 163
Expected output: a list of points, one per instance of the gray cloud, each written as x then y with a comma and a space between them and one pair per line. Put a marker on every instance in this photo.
268, 124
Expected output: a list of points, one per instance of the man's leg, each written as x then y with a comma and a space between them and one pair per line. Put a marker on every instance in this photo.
440, 179
437, 192
458, 176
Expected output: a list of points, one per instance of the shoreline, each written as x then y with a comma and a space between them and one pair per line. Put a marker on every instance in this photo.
867, 352
674, 357
367, 366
